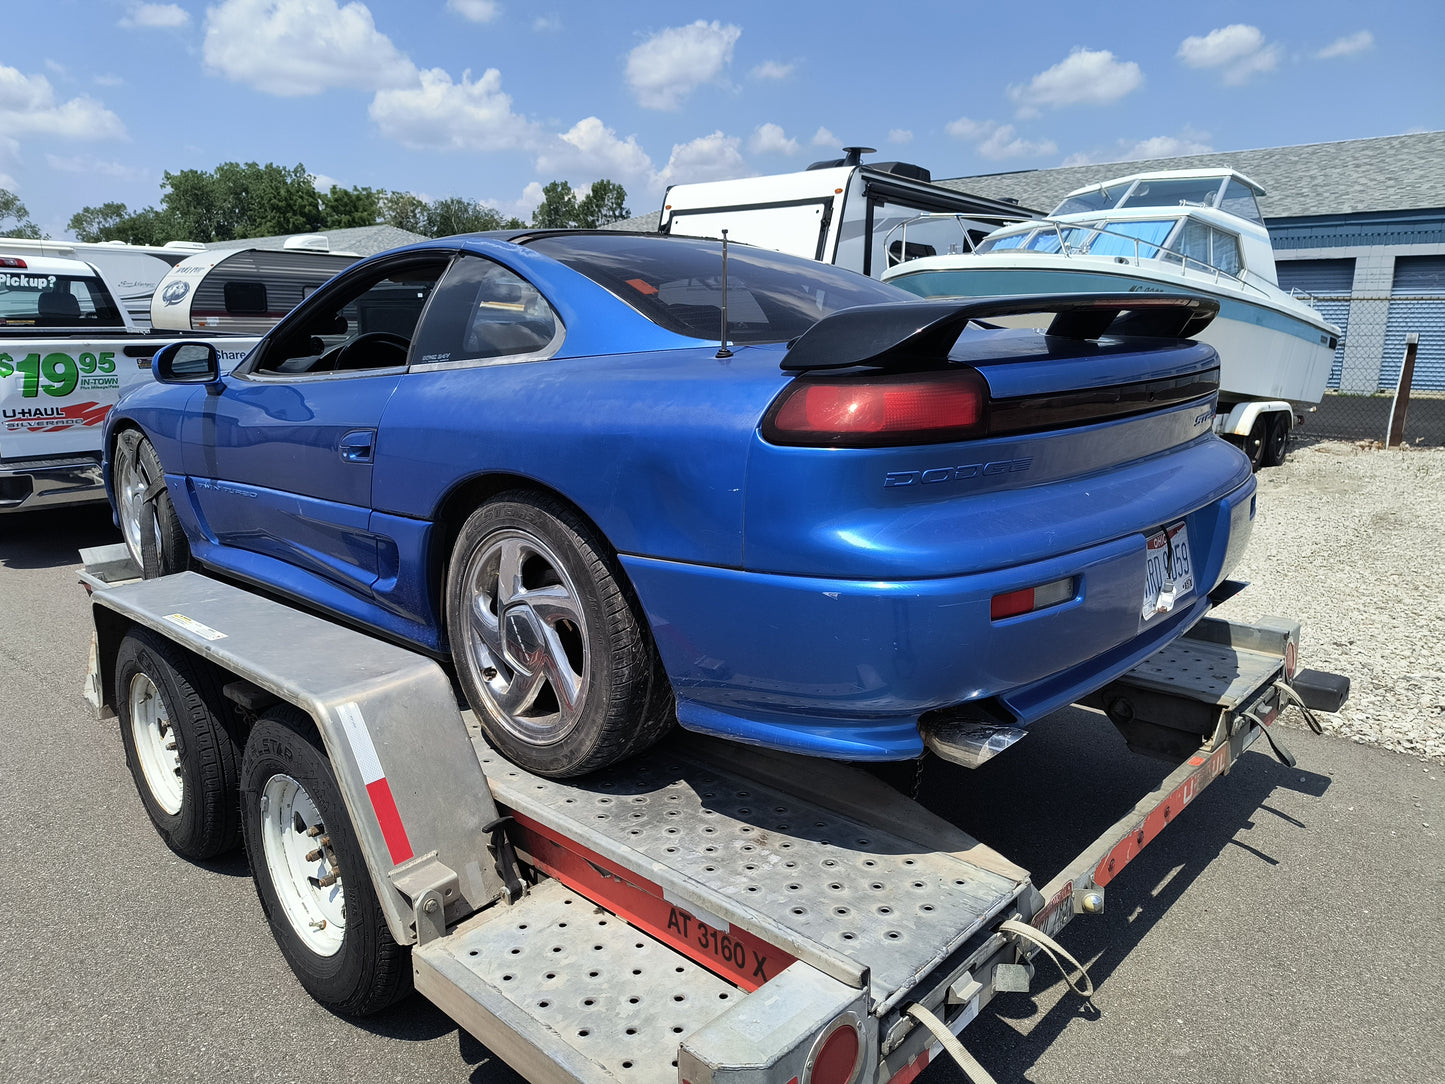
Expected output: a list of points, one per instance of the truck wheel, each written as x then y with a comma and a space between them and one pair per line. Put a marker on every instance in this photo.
181, 754
1276, 443
1254, 443
312, 881
153, 533
547, 642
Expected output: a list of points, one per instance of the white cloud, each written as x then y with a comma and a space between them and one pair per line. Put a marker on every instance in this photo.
1237, 50
1349, 45
436, 113
713, 157
591, 149
324, 183
1004, 142
772, 69
155, 17
771, 139
81, 163
478, 11
1084, 77
964, 128
546, 24
105, 80
671, 64
1186, 142
824, 138
296, 47
28, 106
900, 136
56, 67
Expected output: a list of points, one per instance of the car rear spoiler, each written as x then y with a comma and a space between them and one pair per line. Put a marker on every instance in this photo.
907, 331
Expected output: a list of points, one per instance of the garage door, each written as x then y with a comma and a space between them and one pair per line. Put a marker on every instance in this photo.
1417, 303
1329, 283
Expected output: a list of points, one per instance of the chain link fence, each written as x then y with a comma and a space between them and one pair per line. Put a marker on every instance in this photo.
1367, 367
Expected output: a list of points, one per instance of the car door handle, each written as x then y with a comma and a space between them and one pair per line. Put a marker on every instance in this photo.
358, 445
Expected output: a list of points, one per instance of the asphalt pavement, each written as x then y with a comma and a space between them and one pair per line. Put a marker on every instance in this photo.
1287, 926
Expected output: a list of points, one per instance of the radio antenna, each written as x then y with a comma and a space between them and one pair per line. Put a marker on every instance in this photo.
723, 351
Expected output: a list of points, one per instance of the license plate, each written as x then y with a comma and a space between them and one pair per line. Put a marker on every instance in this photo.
1168, 571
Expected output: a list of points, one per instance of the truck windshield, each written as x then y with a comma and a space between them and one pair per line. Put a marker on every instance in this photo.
676, 282
30, 299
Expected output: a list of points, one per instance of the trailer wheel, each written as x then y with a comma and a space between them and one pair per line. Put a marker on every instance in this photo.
1254, 443
148, 520
312, 881
1276, 443
548, 642
182, 754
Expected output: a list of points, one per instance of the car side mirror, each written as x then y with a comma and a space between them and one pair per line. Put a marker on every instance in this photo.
186, 363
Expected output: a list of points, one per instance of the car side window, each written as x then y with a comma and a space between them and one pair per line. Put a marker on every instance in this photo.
484, 311
368, 324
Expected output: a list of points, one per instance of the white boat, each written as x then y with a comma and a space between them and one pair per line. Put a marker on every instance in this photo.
1185, 230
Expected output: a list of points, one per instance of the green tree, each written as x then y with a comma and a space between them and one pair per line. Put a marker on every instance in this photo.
344, 208
98, 223
605, 203
12, 208
238, 200
404, 210
455, 214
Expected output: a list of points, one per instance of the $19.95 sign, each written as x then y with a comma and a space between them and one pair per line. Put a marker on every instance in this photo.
58, 374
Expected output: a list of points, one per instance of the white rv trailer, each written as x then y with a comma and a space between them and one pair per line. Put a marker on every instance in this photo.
132, 271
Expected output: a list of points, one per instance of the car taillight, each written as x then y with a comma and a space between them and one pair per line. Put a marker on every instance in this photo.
835, 1058
12, 261
1014, 603
870, 412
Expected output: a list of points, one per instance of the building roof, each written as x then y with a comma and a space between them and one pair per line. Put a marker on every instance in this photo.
1388, 173
362, 240
644, 223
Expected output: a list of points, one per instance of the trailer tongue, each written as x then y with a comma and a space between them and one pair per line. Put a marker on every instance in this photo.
706, 912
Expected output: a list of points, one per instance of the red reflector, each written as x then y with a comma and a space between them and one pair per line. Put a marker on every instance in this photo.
889, 410
1011, 604
12, 261
837, 1058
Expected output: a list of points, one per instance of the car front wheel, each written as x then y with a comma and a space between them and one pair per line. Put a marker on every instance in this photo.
153, 534
547, 642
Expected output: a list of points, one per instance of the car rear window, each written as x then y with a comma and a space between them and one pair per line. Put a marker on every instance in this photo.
677, 284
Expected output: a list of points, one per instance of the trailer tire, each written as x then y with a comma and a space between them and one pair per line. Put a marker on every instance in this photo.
148, 521
180, 744
335, 936
1276, 442
549, 644
1254, 443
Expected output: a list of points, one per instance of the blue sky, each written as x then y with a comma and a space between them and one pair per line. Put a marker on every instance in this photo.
490, 99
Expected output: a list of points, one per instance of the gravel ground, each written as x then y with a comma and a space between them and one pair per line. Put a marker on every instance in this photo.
1347, 541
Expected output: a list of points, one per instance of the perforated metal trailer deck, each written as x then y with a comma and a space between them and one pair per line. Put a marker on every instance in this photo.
704, 912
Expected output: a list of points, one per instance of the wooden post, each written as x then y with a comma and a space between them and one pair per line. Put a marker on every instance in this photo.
1395, 431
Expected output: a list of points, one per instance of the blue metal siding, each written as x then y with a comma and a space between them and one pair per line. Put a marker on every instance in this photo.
1417, 304
1329, 283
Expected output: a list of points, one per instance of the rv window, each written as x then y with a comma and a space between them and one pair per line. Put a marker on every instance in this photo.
246, 298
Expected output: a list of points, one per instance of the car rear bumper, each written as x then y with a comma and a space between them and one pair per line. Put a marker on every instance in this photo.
47, 483
844, 668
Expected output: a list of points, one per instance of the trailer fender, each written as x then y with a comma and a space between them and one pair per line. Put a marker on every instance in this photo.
1240, 420
388, 718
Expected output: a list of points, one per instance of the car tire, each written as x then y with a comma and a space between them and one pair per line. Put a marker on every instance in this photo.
182, 753
1255, 442
1276, 441
148, 521
548, 642
298, 833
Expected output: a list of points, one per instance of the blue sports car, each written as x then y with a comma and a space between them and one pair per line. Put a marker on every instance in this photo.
629, 479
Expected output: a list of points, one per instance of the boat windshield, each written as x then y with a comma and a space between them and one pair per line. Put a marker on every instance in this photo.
1174, 192
1239, 200
1098, 199
1047, 239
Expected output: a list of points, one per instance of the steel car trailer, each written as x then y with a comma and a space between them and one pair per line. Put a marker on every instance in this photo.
707, 912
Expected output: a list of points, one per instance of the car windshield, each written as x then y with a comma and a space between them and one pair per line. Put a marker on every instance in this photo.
677, 284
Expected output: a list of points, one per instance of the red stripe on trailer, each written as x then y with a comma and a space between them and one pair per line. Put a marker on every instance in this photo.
912, 1070
389, 819
733, 953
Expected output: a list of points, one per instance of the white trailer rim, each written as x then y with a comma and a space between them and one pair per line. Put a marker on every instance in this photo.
155, 744
317, 913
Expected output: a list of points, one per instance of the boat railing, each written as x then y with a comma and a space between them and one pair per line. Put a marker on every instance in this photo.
1187, 263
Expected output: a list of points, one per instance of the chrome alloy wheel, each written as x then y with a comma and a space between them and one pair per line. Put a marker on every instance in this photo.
137, 515
155, 744
526, 636
302, 866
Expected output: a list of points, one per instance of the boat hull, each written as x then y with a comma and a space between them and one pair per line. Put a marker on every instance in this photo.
1265, 352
